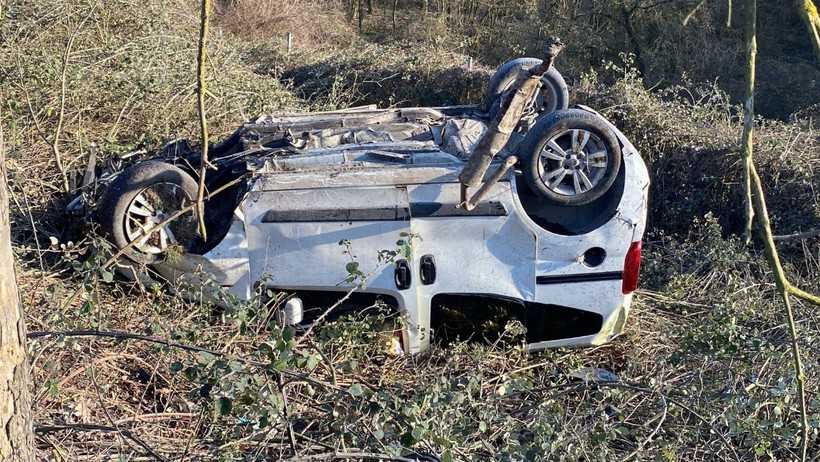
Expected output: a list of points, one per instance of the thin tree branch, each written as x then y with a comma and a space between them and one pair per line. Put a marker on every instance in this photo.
203, 123
55, 142
692, 13
796, 236
799, 293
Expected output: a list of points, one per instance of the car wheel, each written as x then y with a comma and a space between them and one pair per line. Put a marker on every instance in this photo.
552, 96
139, 199
570, 157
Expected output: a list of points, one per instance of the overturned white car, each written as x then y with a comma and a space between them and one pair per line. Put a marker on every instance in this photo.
309, 204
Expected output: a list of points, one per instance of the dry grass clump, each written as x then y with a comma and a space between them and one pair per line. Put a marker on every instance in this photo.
315, 24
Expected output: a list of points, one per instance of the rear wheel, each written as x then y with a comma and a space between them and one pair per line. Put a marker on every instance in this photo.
570, 158
552, 96
142, 198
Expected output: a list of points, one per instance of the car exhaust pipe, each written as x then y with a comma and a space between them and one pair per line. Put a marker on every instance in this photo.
507, 119
499, 172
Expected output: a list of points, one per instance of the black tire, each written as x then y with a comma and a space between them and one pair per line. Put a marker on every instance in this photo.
553, 95
570, 157
141, 197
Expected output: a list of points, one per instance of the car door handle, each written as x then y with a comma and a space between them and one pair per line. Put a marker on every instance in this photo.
427, 270
403, 275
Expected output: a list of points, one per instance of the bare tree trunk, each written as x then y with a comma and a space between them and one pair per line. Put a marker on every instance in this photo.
747, 139
16, 438
395, 5
626, 15
350, 10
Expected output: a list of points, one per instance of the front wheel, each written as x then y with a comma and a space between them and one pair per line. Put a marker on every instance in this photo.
570, 157
138, 208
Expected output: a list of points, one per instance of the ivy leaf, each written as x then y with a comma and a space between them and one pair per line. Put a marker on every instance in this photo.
356, 390
407, 440
107, 276
288, 333
312, 361
224, 406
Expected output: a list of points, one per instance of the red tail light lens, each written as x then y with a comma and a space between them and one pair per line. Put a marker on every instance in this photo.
632, 266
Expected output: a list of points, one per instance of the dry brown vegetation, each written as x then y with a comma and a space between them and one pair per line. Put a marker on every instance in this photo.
704, 366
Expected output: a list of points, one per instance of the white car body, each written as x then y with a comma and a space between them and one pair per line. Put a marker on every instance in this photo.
285, 233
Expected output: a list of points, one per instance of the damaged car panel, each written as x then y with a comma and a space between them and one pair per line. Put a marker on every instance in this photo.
548, 224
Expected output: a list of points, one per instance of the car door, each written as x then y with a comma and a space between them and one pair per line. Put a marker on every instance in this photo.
487, 251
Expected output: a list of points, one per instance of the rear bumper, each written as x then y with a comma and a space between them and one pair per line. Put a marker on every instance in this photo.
612, 326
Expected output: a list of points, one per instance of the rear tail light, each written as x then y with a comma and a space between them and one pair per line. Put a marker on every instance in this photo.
632, 266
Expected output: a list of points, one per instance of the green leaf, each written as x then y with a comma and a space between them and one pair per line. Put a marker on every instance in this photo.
417, 433
108, 276
352, 267
266, 349
224, 406
52, 387
288, 333
356, 390
407, 440
205, 357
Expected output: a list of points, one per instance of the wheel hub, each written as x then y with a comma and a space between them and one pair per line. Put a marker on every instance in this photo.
571, 162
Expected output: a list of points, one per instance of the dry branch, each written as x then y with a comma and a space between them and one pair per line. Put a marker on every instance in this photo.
797, 236
203, 123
